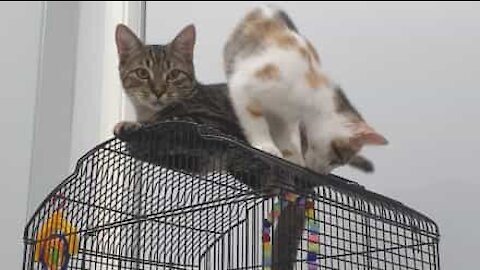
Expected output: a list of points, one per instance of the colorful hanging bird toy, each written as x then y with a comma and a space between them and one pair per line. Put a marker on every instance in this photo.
313, 229
56, 240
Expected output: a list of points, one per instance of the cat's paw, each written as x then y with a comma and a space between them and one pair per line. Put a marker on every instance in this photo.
269, 148
123, 130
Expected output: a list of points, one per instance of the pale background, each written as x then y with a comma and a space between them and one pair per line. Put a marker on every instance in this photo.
412, 69
20, 37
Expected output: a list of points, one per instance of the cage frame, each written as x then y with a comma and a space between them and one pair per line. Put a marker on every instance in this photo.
330, 189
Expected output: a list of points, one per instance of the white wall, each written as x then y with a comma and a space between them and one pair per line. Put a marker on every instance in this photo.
99, 101
20, 36
88, 78
411, 68
52, 137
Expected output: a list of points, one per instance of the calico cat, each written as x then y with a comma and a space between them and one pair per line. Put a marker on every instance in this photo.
288, 107
277, 89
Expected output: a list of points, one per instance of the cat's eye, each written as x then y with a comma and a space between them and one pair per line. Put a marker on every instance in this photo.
173, 74
142, 73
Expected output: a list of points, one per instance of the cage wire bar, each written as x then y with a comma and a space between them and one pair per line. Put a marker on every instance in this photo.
183, 196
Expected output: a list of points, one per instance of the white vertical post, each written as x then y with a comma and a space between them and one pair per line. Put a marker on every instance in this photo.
115, 105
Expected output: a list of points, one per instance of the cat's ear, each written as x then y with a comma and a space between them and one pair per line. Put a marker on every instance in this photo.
363, 134
185, 41
126, 40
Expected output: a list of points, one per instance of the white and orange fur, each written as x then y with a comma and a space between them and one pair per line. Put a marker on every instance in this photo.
276, 84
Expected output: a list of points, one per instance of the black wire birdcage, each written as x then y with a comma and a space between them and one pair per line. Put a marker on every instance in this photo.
183, 196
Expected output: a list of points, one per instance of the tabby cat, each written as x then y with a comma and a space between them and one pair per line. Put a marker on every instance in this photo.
161, 78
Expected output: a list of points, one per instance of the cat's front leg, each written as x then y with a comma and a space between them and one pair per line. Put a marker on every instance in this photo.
286, 135
268, 147
123, 130
259, 136
254, 124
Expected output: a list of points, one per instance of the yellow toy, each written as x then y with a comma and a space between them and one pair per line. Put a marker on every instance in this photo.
56, 241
